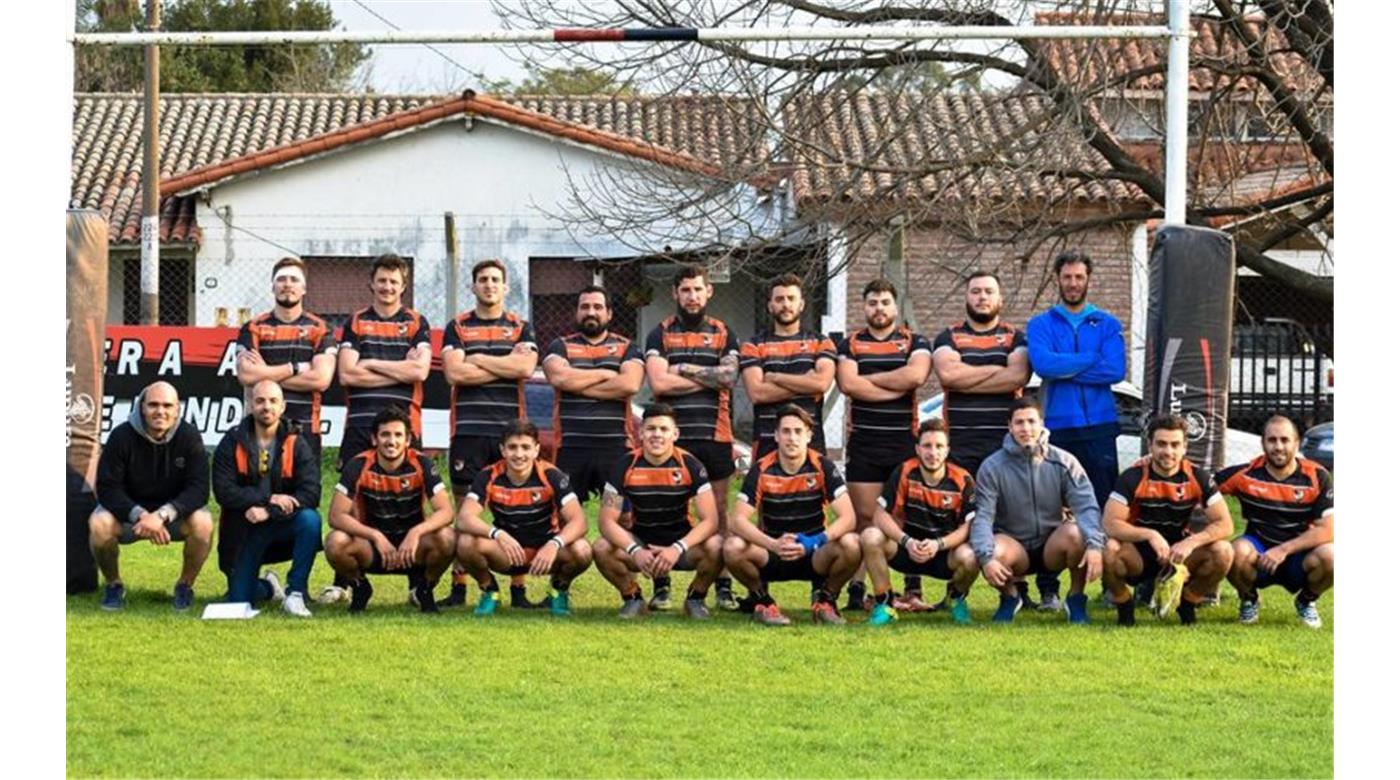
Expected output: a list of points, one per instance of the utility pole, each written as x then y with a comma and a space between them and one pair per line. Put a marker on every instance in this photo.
150, 179
449, 222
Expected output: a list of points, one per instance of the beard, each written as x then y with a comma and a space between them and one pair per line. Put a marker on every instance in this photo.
1069, 299
690, 320
592, 327
879, 321
787, 319
980, 318
287, 301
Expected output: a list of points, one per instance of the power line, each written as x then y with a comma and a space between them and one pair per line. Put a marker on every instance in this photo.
430, 47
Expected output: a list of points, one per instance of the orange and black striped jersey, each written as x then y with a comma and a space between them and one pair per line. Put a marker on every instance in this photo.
384, 338
875, 419
528, 511
659, 493
1164, 504
1277, 510
486, 410
704, 414
280, 343
390, 500
977, 421
795, 354
792, 503
926, 510
585, 422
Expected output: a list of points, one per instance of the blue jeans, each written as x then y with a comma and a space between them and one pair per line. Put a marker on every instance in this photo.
302, 530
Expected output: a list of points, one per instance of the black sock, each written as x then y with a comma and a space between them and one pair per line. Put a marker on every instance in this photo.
761, 597
490, 586
913, 584
692, 595
953, 593
341, 581
1126, 615
855, 588
1187, 611
661, 583
823, 596
1306, 596
880, 598
721, 584
1023, 589
559, 583
1249, 595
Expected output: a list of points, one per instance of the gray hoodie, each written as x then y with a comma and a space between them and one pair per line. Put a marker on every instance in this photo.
1021, 492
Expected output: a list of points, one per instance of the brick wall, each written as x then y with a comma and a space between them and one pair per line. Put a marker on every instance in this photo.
937, 262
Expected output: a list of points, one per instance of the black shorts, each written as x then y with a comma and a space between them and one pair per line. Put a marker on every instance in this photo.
870, 460
717, 457
684, 563
1150, 567
376, 563
1290, 575
779, 570
936, 567
468, 455
356, 440
1036, 555
588, 468
128, 535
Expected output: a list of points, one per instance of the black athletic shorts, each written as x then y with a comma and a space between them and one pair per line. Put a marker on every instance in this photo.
127, 533
466, 456
356, 440
936, 567
875, 461
588, 468
1036, 555
717, 457
779, 570
684, 563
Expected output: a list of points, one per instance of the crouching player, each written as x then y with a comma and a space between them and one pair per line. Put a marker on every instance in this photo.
377, 516
1148, 517
921, 525
659, 480
1287, 503
790, 490
527, 498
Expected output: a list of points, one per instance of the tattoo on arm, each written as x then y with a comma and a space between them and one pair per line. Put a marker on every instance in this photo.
612, 500
713, 377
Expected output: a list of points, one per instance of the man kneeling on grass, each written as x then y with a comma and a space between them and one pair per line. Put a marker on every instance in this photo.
659, 480
1148, 518
268, 485
921, 525
377, 514
527, 498
1020, 528
790, 489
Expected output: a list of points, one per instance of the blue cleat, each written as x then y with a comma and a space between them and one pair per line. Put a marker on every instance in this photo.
883, 615
1007, 609
1077, 605
114, 597
490, 599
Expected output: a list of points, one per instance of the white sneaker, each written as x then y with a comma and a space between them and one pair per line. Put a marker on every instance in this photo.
271, 578
295, 604
332, 594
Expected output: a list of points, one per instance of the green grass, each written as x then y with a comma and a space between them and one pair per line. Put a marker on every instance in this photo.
394, 693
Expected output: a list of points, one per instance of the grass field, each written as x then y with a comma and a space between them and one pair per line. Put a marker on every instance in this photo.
396, 693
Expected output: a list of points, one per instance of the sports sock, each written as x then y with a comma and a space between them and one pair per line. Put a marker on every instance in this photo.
661, 583
1023, 589
1251, 594
881, 597
721, 584
824, 596
913, 584
692, 595
1307, 596
559, 583
633, 591
1187, 612
489, 584
762, 597
1126, 615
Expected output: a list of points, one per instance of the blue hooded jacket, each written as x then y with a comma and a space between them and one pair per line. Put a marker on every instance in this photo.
1078, 367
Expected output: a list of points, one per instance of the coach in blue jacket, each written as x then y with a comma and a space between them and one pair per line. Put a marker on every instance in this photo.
1077, 349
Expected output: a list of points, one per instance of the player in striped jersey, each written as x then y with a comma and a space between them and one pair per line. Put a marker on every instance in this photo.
595, 372
982, 365
692, 361
1147, 520
1286, 501
922, 524
659, 480
292, 347
528, 499
879, 367
790, 489
377, 516
386, 352
786, 365
487, 354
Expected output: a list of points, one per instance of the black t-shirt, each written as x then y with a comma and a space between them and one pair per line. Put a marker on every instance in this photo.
792, 503
659, 494
486, 410
1164, 504
873, 420
977, 421
795, 354
702, 415
923, 510
528, 511
385, 338
390, 501
591, 422
1278, 511
280, 343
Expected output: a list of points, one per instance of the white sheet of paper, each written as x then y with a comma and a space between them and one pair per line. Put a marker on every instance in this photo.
238, 610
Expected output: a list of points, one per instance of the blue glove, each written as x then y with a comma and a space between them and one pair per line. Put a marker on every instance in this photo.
810, 542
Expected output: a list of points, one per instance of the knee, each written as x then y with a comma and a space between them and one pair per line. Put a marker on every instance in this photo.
581, 552
1320, 557
713, 547
734, 548
103, 527
601, 548
336, 542
307, 521
963, 557
201, 525
1071, 535
849, 546
1222, 554
1244, 554
871, 537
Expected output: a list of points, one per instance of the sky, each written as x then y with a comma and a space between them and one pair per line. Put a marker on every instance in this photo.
415, 67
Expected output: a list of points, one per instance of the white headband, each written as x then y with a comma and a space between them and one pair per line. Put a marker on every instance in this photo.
290, 270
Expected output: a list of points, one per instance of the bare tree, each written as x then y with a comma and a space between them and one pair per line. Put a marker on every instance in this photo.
1005, 143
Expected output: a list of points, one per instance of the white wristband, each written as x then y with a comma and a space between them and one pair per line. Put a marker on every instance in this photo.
680, 546
634, 547
495, 532
557, 542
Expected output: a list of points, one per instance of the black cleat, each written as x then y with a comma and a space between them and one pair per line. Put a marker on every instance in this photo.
423, 595
457, 597
1127, 613
855, 598
519, 599
360, 593
1187, 612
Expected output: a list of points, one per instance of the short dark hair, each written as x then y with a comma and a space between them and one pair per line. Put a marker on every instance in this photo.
658, 409
935, 424
490, 262
520, 428
1167, 422
595, 288
1297, 432
1025, 402
879, 286
393, 413
1074, 256
784, 280
979, 273
390, 262
793, 410
290, 262
689, 271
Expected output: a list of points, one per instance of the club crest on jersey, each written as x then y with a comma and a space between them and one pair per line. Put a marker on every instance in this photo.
405, 483
676, 476
303, 333
1297, 494
811, 483
612, 349
1180, 492
535, 496
705, 339
947, 502
403, 329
